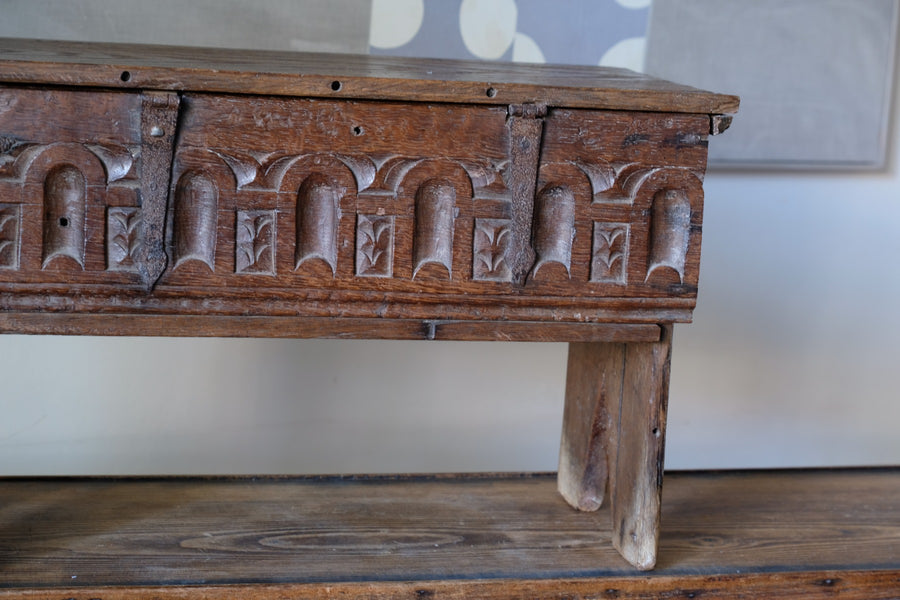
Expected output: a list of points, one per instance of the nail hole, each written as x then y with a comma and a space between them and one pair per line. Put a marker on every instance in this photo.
336, 86
656, 431
357, 130
125, 76
63, 222
491, 92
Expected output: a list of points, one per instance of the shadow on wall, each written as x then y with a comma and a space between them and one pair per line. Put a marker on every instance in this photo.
144, 405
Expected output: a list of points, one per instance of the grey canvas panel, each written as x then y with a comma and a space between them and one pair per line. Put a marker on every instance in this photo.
814, 76
309, 25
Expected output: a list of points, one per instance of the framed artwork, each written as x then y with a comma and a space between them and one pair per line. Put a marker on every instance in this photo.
815, 76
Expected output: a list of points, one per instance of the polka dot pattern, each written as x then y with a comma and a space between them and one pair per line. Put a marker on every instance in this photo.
395, 22
525, 49
634, 4
628, 54
589, 32
487, 26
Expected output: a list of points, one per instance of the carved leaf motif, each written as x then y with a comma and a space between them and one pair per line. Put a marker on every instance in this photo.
492, 238
492, 256
124, 238
370, 247
610, 253
605, 252
374, 241
9, 237
376, 235
255, 242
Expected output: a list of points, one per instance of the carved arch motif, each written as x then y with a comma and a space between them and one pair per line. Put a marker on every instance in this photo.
435, 216
65, 208
116, 161
670, 231
318, 220
671, 196
195, 219
554, 227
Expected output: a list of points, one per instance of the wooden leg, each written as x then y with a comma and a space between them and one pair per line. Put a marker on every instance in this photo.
593, 390
614, 428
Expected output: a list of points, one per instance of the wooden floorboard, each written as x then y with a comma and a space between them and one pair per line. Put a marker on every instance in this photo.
458, 536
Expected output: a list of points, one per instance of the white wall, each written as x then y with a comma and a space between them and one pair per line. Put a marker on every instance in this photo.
792, 357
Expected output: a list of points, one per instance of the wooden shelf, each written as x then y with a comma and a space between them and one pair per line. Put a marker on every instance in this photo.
803, 534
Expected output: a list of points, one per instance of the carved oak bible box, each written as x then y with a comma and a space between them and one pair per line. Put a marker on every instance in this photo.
166, 191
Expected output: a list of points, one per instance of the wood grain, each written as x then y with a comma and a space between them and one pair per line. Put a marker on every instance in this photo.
128, 66
241, 181
637, 448
787, 534
594, 378
818, 585
614, 425
311, 302
312, 327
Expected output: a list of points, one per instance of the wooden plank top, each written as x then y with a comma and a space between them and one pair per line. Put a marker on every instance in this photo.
127, 66
724, 535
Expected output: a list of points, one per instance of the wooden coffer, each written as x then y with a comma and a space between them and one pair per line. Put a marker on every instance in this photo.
165, 191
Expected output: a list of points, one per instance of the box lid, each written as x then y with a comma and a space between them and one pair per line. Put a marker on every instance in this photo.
128, 66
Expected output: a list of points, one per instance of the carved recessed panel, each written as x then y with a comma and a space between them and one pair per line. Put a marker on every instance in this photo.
490, 250
318, 217
123, 238
609, 256
374, 246
255, 242
435, 214
195, 218
9, 236
670, 232
554, 227
64, 214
